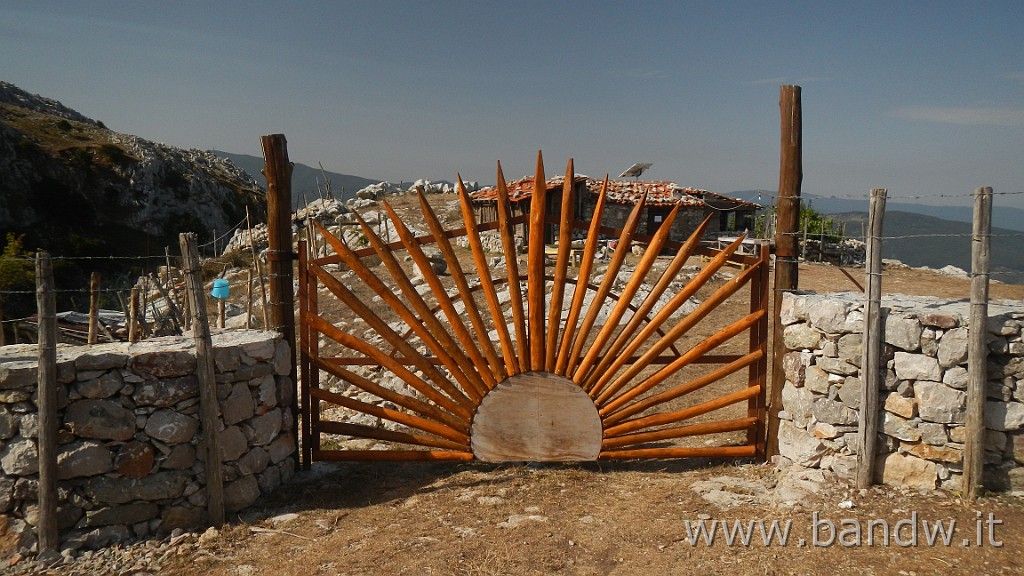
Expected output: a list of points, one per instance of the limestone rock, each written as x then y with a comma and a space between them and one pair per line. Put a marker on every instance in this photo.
903, 332
901, 406
798, 403
816, 379
953, 347
20, 458
900, 428
100, 419
1004, 416
232, 443
800, 446
829, 316
166, 392
937, 402
833, 412
135, 459
851, 391
916, 367
902, 470
933, 433
164, 364
171, 427
103, 387
240, 494
83, 458
801, 337
126, 514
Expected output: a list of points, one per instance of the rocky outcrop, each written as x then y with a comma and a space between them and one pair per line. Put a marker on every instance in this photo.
64, 175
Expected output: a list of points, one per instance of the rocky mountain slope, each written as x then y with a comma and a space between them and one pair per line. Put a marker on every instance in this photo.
76, 188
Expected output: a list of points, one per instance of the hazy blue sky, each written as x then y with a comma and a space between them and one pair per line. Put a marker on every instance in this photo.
924, 98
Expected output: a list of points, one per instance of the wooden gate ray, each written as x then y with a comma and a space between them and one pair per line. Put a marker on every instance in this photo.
536, 374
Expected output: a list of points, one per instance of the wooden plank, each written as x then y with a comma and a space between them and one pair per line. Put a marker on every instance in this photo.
867, 431
508, 245
977, 353
680, 432
636, 280
703, 347
392, 456
787, 226
707, 452
535, 267
582, 279
361, 431
209, 406
49, 423
496, 364
758, 372
385, 331
410, 420
455, 319
539, 417
407, 376
622, 249
567, 217
307, 341
665, 418
416, 405
681, 327
613, 414
428, 329
640, 315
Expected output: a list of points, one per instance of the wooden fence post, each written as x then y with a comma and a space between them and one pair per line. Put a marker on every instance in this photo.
977, 351
280, 254
209, 407
49, 538
94, 307
871, 374
786, 228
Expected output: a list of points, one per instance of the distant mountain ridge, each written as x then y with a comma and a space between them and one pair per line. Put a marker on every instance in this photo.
1002, 216
307, 182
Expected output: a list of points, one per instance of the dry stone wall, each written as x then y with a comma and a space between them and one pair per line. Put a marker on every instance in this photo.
129, 461
922, 399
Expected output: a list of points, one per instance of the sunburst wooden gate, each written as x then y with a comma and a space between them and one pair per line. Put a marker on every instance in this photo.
501, 369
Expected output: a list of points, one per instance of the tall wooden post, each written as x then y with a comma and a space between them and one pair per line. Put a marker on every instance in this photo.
278, 172
49, 539
871, 372
209, 407
786, 228
94, 307
977, 350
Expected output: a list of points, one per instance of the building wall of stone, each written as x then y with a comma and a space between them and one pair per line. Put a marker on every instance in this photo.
922, 399
130, 459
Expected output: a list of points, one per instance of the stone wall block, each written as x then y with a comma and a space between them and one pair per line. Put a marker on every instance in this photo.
101, 361
83, 458
902, 470
19, 458
135, 459
850, 392
801, 337
1004, 416
166, 392
952, 349
798, 402
937, 402
18, 374
800, 446
832, 412
900, 428
171, 427
916, 367
903, 331
238, 406
816, 379
104, 386
829, 316
794, 364
164, 364
282, 358
100, 419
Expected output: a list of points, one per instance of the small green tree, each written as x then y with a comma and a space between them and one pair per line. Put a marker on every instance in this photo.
16, 273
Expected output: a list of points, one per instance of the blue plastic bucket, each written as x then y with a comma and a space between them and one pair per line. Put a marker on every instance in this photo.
220, 288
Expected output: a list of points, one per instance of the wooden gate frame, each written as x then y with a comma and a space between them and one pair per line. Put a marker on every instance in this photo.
529, 376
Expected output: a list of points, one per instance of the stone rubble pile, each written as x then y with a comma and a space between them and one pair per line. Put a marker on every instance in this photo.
130, 459
922, 399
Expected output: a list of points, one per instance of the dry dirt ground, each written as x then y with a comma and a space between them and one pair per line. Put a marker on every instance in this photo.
626, 518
